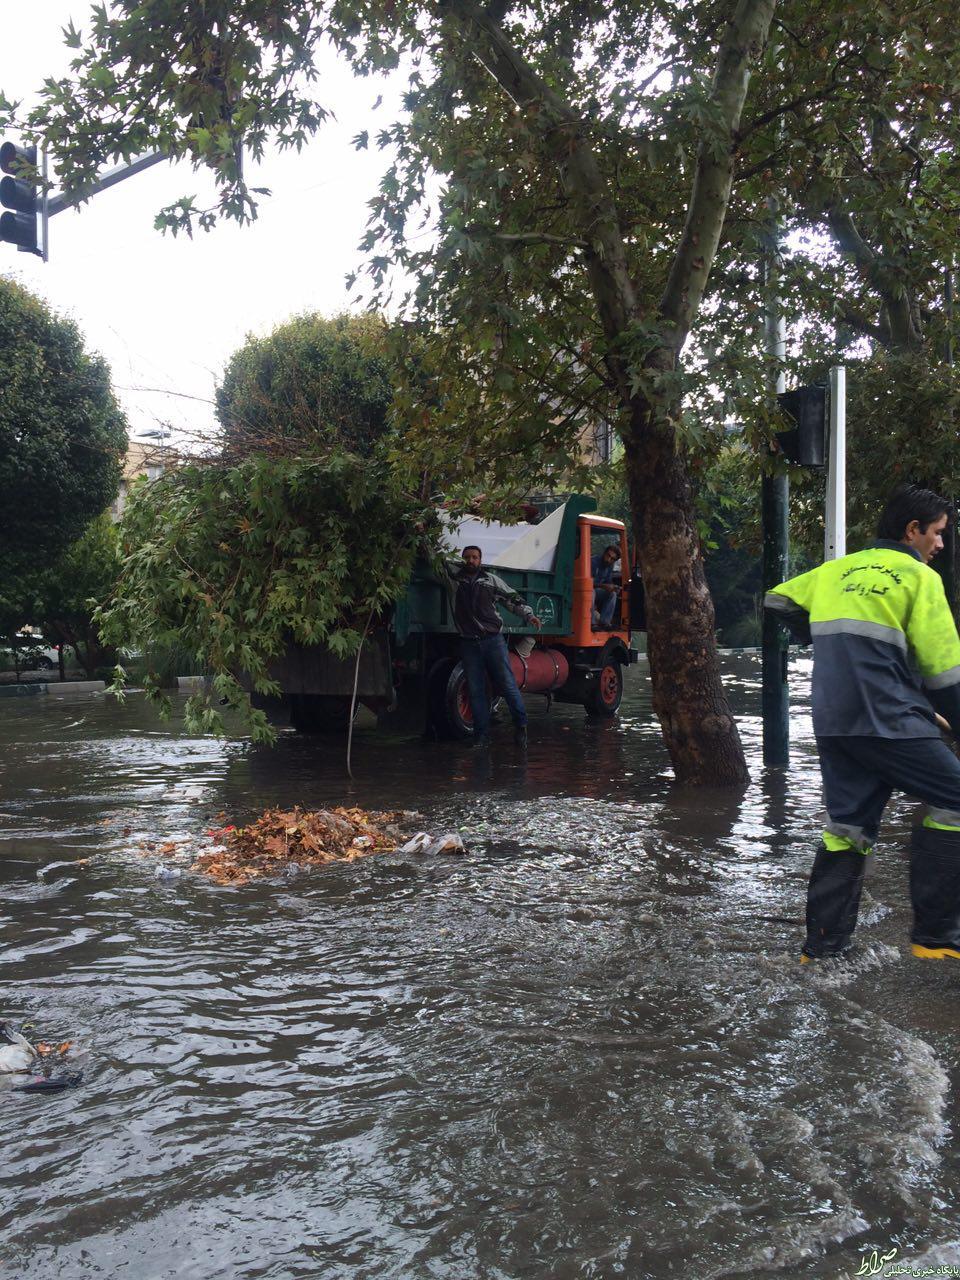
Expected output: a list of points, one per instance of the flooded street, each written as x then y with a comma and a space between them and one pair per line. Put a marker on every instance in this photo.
584, 1050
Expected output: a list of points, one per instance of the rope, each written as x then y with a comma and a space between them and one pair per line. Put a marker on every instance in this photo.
353, 697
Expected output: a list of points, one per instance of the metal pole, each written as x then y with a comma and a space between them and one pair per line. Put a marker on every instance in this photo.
775, 506
775, 693
45, 215
119, 173
949, 557
835, 523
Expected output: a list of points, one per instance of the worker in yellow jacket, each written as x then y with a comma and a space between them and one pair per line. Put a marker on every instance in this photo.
886, 656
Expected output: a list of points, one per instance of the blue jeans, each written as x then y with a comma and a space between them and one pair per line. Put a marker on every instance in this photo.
488, 657
605, 602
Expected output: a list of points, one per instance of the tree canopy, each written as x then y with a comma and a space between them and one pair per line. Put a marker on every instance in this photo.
310, 382
62, 433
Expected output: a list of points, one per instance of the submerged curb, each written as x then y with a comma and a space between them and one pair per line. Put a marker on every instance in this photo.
60, 689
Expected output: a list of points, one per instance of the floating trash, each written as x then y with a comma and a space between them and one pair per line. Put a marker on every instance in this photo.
18, 1058
430, 845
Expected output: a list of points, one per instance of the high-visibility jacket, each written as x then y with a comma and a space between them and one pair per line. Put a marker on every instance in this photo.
885, 646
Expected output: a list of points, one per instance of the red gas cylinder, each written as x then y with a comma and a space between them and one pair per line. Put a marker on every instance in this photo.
542, 671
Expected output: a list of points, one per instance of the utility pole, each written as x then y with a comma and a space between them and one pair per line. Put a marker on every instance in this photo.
775, 505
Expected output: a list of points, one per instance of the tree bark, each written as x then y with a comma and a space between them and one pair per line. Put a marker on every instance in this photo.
699, 730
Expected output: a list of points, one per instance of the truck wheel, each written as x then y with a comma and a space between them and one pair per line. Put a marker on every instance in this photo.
319, 713
606, 691
450, 702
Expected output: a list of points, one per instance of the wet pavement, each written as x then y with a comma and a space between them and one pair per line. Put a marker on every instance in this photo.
585, 1049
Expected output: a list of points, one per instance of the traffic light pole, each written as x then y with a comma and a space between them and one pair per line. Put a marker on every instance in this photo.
57, 203
28, 204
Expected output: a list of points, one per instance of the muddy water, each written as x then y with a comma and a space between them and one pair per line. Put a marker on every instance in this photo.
585, 1049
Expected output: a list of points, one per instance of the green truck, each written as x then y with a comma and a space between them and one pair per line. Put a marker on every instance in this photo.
410, 672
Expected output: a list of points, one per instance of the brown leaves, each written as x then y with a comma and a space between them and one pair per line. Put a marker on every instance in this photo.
281, 837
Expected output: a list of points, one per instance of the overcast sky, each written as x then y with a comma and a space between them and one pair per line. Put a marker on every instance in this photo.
166, 313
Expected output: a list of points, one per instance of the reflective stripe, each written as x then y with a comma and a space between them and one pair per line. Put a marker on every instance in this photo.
782, 604
852, 838
943, 680
942, 819
860, 627
837, 844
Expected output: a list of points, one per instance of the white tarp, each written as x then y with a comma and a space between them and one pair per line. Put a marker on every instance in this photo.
511, 546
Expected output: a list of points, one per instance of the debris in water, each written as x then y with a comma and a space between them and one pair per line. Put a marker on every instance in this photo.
18, 1057
284, 839
16, 1052
427, 844
51, 1084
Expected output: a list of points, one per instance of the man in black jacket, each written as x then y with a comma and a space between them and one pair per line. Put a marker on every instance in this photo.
476, 592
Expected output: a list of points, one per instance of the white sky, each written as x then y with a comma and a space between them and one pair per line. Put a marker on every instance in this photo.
167, 313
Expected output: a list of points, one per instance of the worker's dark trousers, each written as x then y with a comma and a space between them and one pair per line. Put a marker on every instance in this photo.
859, 776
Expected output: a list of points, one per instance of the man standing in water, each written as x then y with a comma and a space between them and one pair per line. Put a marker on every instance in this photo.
886, 656
476, 592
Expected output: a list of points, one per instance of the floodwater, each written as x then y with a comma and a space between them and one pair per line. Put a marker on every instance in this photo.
583, 1050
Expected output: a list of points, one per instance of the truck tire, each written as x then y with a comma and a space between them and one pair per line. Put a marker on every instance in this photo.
450, 702
319, 713
606, 691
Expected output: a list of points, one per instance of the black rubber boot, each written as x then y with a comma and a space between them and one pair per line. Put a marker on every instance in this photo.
935, 892
833, 900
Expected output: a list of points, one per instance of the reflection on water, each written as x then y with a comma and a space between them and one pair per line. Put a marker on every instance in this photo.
584, 1050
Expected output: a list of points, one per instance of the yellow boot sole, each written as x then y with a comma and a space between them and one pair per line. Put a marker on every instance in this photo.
935, 953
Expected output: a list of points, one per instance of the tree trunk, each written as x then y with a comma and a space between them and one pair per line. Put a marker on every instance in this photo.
699, 730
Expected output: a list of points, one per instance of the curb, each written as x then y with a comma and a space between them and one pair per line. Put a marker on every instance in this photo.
59, 690
21, 690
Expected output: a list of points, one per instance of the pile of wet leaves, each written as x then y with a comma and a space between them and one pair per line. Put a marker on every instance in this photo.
281, 840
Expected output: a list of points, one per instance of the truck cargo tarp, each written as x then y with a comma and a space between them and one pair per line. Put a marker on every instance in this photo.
511, 546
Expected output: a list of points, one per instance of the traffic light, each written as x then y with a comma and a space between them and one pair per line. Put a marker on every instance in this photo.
805, 443
19, 194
